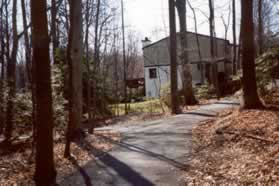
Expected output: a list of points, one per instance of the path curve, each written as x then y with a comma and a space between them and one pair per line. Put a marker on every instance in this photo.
150, 153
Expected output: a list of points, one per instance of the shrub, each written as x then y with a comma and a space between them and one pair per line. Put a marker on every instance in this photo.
267, 66
165, 96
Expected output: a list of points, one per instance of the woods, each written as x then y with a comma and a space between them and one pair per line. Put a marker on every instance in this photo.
69, 67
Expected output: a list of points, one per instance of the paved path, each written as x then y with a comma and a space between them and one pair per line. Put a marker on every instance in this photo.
150, 153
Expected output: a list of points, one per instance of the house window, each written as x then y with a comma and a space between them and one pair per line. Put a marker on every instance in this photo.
152, 73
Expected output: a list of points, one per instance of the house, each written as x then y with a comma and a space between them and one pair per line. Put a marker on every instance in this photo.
157, 61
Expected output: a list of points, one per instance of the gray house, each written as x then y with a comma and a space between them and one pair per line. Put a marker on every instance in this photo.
157, 61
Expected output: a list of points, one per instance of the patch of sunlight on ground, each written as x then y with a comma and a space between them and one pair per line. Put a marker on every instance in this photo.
148, 106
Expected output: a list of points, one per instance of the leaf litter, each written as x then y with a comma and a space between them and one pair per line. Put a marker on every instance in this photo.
237, 148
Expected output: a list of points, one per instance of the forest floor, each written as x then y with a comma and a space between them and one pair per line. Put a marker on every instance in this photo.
237, 148
17, 162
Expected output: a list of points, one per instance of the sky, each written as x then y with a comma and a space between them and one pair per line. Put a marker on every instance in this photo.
149, 18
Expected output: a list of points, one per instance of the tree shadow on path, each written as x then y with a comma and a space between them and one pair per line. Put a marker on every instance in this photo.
81, 170
122, 170
138, 149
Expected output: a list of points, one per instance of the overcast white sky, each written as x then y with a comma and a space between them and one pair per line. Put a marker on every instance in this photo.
150, 17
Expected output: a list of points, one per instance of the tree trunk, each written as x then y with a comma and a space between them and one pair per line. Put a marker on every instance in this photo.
173, 58
53, 29
27, 44
260, 27
29, 67
45, 172
74, 59
213, 49
2, 61
239, 62
12, 77
189, 97
198, 43
88, 88
124, 58
250, 95
234, 37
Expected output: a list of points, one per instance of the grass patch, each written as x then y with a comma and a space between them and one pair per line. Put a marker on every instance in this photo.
148, 106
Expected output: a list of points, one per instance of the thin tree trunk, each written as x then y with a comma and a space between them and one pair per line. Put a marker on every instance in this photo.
124, 58
30, 69
234, 63
26, 42
45, 173
250, 94
53, 29
198, 42
239, 62
173, 58
74, 59
213, 49
2, 61
96, 59
12, 76
260, 27
88, 88
189, 97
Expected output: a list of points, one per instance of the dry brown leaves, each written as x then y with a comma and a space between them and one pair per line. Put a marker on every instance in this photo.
17, 169
239, 148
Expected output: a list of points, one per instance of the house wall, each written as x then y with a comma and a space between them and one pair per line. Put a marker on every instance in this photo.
158, 53
157, 56
154, 85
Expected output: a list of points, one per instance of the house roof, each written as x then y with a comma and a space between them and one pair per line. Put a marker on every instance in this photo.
178, 33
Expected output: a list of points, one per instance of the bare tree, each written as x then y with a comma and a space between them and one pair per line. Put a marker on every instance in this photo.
213, 47
226, 24
260, 27
54, 28
74, 54
197, 40
173, 58
45, 172
2, 61
124, 58
29, 67
250, 95
189, 97
12, 76
234, 37
89, 82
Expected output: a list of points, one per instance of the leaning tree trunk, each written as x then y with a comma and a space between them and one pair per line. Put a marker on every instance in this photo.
12, 77
189, 97
250, 95
74, 58
45, 173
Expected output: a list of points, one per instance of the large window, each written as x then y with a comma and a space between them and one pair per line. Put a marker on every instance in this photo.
152, 73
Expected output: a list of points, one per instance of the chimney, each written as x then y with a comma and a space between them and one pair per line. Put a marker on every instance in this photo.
146, 42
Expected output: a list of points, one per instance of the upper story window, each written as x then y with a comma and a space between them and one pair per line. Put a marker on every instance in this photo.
152, 73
